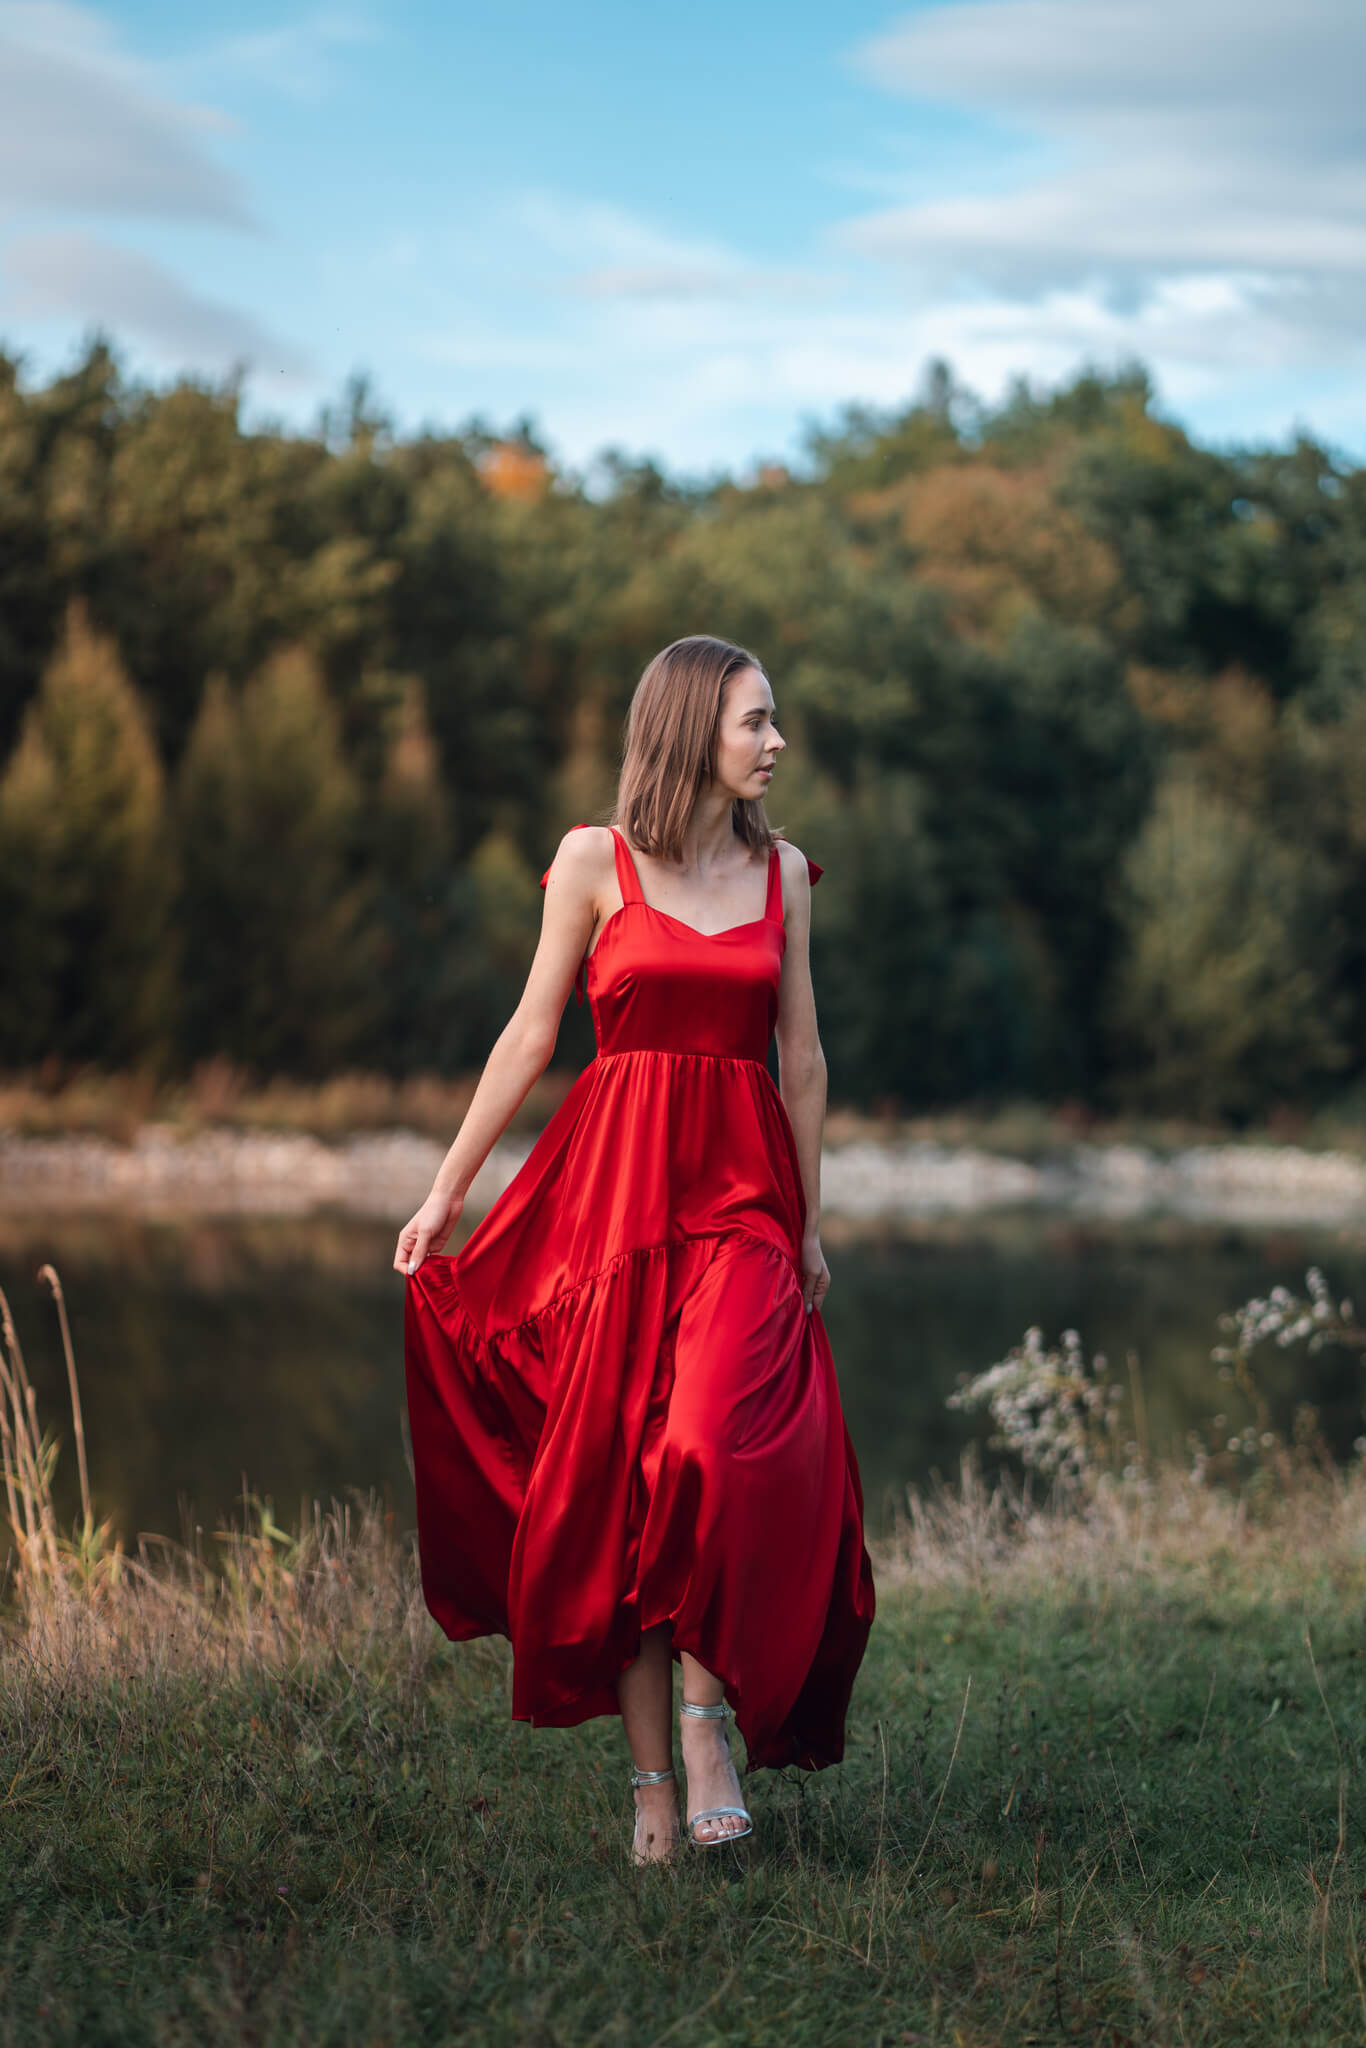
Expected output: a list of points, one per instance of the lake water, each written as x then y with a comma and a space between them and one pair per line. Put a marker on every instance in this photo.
269, 1353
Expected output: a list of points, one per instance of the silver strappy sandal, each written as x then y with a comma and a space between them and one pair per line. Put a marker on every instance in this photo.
648, 1778
716, 1713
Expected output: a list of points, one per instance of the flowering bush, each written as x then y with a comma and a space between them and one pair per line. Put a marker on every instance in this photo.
1064, 1417
1288, 1318
1283, 1318
1058, 1414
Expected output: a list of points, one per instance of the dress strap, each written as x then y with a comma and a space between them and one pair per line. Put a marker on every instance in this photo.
773, 906
627, 873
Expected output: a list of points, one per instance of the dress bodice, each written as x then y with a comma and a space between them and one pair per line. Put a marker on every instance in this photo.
658, 985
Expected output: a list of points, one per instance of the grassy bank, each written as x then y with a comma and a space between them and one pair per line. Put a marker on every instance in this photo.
1103, 1783
1103, 1780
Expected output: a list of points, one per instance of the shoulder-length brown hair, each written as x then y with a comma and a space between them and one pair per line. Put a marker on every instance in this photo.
669, 747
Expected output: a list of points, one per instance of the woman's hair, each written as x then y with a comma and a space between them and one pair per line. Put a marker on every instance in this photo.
669, 747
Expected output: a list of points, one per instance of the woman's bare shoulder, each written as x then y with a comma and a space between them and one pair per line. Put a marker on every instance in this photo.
586, 843
583, 856
793, 861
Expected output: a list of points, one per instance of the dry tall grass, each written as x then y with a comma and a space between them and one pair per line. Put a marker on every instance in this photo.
82, 1605
345, 1586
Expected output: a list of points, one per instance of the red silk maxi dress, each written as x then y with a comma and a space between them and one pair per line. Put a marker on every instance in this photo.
621, 1411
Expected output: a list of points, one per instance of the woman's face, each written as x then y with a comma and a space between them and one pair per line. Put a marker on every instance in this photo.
748, 742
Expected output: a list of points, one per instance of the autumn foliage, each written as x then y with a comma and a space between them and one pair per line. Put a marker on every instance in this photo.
289, 725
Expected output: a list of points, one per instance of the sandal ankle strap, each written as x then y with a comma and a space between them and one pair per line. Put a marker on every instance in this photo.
651, 1777
716, 1713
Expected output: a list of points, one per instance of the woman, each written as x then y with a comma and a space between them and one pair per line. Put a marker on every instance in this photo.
626, 1430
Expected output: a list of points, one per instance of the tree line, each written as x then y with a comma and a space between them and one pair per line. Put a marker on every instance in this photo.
1076, 713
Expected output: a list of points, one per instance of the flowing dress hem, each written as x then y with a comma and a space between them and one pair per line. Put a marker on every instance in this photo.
596, 1701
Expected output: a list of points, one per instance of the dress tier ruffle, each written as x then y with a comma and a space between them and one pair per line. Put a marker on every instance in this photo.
621, 1412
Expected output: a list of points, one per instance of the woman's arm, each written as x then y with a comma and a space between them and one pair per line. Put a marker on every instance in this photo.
801, 1062
576, 882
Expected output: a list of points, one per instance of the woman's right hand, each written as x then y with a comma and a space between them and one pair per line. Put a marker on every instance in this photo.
428, 1230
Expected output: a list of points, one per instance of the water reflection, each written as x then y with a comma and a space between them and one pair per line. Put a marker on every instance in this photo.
268, 1353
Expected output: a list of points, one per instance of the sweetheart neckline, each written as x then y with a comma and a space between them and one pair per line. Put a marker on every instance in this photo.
725, 933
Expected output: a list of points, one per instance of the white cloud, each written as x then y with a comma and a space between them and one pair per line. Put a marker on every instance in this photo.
576, 230
1193, 69
1187, 136
603, 251
74, 276
684, 346
1187, 189
87, 128
718, 282
84, 125
1179, 180
297, 58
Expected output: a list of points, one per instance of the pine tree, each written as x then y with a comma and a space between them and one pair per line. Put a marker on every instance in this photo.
87, 869
426, 905
281, 957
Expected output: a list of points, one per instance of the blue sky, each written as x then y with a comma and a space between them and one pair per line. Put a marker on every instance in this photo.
687, 232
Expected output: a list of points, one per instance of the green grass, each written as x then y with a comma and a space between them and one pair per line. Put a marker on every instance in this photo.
1103, 1784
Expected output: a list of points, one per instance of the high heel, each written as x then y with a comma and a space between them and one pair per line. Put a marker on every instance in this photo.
648, 1778
716, 1713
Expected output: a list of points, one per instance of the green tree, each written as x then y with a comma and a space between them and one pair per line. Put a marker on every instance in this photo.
1225, 999
987, 630
432, 975
1322, 800
86, 869
57, 443
280, 944
454, 623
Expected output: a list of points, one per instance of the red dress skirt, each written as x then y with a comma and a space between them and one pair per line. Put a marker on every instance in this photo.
621, 1411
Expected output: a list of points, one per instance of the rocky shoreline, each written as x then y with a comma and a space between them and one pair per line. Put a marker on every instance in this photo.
384, 1175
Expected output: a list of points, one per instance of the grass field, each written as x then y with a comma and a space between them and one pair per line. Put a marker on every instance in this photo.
1103, 1779
1103, 1784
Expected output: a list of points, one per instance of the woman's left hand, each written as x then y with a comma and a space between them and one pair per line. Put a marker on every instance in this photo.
815, 1272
